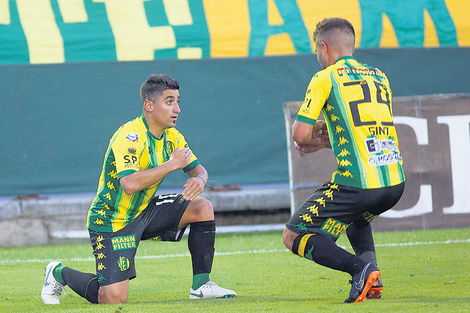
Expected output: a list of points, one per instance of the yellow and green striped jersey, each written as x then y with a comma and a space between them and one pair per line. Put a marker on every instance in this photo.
356, 101
132, 148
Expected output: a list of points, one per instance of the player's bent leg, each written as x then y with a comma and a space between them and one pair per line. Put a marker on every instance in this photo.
200, 216
201, 246
198, 210
323, 250
114, 293
288, 237
58, 276
362, 241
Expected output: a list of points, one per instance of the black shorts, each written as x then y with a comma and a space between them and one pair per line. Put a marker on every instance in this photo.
115, 252
332, 208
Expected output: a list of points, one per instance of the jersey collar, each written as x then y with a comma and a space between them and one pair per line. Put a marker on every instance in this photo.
145, 121
345, 58
148, 131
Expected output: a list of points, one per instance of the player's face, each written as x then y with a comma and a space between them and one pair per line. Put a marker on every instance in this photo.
166, 109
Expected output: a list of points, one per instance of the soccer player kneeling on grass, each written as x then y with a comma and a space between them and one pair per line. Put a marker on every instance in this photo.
139, 156
356, 102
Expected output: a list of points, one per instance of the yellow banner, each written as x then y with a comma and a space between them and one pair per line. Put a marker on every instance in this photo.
57, 31
417, 23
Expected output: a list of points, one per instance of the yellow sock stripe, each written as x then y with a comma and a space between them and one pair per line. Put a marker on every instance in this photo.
302, 244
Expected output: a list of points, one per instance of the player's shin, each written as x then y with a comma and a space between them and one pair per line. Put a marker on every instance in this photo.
324, 251
85, 285
201, 241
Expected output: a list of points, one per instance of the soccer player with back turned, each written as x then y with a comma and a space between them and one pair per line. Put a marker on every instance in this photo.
125, 210
356, 102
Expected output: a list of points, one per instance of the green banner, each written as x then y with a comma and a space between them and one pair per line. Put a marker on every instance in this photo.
58, 31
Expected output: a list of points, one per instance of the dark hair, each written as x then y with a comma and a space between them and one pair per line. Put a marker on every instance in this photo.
155, 85
328, 24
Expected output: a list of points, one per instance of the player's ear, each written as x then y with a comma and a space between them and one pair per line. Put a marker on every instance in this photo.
148, 105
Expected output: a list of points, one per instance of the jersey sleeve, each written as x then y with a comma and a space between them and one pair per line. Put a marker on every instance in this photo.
126, 147
316, 96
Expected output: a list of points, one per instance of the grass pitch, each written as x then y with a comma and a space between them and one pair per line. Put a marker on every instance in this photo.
423, 271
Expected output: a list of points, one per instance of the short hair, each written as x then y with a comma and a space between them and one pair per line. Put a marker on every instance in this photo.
155, 85
329, 24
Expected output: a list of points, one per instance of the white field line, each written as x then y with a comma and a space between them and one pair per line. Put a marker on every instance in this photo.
261, 251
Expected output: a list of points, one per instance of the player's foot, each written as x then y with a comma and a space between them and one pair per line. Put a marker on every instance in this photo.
211, 290
52, 289
375, 292
362, 282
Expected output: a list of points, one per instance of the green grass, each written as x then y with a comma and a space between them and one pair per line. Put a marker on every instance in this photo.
431, 277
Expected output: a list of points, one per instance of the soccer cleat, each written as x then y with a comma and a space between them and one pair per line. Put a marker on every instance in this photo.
52, 289
362, 282
211, 290
375, 292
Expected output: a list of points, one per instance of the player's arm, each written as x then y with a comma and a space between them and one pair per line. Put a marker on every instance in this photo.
309, 133
302, 132
196, 182
141, 180
310, 138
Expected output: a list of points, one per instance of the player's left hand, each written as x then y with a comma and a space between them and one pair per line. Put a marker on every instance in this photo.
320, 139
194, 187
313, 146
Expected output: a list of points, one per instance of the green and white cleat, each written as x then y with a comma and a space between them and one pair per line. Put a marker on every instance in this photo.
52, 289
211, 290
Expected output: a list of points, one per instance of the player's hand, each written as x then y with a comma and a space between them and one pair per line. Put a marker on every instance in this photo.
313, 146
180, 157
194, 187
320, 130
320, 139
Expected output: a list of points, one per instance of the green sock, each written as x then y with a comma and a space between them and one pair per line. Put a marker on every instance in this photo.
199, 280
57, 273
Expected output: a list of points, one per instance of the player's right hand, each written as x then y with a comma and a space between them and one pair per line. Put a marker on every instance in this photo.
181, 157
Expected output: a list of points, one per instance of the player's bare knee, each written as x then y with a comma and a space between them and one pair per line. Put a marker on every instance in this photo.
200, 210
288, 237
205, 209
112, 299
112, 295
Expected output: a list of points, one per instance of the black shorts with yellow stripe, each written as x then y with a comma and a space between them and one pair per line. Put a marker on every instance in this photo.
115, 252
332, 208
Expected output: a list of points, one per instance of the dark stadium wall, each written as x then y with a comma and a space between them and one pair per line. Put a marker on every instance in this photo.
57, 119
